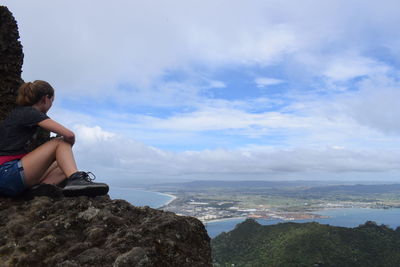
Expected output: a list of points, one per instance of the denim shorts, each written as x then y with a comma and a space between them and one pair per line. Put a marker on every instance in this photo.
12, 179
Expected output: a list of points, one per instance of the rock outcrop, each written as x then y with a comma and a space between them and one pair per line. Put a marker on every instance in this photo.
84, 231
11, 59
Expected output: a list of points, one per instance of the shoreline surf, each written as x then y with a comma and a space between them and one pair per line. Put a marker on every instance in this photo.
128, 194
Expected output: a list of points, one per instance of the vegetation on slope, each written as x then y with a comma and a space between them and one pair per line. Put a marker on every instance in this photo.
308, 244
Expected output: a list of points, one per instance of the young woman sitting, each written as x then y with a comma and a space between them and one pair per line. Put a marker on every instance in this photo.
53, 162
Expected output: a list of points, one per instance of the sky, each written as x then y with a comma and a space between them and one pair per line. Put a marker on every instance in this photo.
179, 90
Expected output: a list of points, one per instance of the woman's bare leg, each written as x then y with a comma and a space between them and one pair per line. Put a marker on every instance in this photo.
37, 162
53, 175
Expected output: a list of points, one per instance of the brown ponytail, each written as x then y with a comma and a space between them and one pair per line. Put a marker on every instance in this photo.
31, 92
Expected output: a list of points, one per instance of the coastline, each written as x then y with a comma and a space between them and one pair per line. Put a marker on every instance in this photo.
224, 219
172, 198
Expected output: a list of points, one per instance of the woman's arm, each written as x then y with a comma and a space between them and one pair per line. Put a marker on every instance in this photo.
55, 127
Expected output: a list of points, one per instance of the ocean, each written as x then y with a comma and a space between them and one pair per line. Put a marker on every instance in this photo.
350, 217
139, 197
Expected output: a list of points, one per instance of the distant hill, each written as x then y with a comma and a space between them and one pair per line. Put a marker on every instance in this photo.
356, 189
244, 184
306, 186
292, 189
308, 244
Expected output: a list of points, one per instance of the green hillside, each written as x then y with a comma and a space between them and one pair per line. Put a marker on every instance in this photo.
308, 244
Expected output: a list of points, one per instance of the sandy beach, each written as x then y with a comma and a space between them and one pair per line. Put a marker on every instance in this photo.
169, 195
140, 196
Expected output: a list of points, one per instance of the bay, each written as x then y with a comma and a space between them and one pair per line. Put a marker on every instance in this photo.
139, 197
349, 217
346, 217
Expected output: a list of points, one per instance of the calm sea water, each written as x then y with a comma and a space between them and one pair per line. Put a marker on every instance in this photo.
337, 217
139, 197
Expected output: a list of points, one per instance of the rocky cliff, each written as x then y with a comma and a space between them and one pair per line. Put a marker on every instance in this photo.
84, 231
11, 59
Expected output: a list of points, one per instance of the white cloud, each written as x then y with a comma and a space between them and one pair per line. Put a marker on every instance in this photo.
138, 42
264, 82
213, 119
102, 45
376, 105
127, 161
350, 66
92, 135
217, 84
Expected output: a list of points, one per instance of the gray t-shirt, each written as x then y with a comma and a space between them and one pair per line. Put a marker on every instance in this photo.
19, 129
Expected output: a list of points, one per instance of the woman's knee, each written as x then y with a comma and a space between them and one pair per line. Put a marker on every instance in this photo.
59, 141
50, 147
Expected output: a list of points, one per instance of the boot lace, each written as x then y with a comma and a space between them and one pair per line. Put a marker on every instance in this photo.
88, 176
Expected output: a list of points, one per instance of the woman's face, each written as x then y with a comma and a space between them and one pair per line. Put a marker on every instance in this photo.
48, 103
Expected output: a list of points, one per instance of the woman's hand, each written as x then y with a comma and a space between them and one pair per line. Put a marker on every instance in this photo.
60, 130
69, 139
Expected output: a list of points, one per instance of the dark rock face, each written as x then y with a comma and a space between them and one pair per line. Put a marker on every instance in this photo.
11, 59
98, 231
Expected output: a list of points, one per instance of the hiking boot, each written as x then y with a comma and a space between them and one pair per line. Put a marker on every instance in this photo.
40, 190
80, 184
63, 183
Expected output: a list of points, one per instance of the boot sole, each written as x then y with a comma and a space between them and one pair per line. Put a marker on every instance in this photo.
90, 191
41, 190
